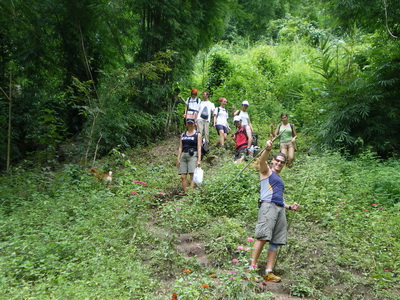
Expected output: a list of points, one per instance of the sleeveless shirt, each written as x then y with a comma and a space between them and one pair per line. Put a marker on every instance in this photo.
272, 189
189, 141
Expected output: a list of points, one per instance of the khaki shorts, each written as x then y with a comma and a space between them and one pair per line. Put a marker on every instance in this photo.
188, 163
271, 224
287, 145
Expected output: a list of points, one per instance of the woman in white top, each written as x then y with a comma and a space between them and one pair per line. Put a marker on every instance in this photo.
244, 115
192, 106
204, 116
221, 121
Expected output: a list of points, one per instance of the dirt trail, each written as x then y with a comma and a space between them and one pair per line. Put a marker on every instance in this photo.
191, 247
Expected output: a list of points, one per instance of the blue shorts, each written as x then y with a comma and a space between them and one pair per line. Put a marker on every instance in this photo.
221, 127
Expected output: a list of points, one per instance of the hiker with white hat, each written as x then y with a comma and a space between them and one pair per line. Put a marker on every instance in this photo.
244, 115
243, 139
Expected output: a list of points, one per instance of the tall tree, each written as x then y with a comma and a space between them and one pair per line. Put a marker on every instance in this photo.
382, 15
251, 18
48, 43
183, 27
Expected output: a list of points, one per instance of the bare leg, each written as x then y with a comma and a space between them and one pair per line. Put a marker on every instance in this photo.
225, 136
284, 150
206, 125
290, 157
258, 246
271, 256
221, 138
191, 180
184, 183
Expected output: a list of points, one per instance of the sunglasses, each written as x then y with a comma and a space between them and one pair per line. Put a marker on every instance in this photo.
280, 161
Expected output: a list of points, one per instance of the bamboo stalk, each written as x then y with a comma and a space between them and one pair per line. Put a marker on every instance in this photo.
9, 129
9, 98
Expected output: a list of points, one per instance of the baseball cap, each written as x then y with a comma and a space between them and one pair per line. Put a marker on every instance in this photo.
237, 119
245, 103
190, 120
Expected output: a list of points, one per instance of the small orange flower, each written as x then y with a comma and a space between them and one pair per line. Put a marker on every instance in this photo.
187, 271
174, 296
206, 286
213, 275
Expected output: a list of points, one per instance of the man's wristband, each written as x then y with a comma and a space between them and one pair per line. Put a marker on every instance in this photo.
290, 207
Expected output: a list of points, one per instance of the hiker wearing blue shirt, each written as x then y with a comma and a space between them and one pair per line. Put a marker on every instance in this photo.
271, 226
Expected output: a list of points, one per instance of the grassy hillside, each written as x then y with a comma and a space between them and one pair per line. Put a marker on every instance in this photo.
64, 235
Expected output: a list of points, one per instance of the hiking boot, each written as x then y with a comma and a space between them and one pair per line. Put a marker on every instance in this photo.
271, 277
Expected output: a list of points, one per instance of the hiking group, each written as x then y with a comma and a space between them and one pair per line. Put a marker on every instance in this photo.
272, 225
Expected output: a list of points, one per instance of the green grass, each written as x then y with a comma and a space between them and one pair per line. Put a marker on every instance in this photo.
64, 235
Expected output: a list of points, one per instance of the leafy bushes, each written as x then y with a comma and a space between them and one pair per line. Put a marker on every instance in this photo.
226, 235
339, 91
294, 29
65, 234
219, 70
57, 247
230, 192
344, 198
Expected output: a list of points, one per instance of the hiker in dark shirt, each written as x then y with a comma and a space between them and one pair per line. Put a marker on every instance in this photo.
189, 153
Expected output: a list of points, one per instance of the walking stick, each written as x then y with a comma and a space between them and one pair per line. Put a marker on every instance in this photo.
292, 218
245, 167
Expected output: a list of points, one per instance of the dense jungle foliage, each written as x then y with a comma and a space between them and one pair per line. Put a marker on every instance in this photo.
84, 76
90, 83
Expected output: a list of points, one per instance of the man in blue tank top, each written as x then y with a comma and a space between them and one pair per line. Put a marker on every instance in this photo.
271, 226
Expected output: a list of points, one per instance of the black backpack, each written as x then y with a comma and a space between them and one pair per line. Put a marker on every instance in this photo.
255, 139
204, 147
204, 113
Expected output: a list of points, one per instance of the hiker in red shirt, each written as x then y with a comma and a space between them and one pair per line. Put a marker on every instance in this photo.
243, 139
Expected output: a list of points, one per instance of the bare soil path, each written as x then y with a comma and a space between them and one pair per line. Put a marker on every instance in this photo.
193, 248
